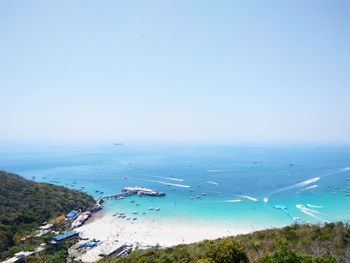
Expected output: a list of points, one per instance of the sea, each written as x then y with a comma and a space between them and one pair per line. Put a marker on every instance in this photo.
258, 185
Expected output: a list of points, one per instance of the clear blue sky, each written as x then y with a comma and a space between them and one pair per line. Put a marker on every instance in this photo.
175, 71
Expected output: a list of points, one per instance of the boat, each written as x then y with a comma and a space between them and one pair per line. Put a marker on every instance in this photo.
140, 191
157, 209
266, 199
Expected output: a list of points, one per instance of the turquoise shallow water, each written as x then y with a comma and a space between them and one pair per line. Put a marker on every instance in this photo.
222, 173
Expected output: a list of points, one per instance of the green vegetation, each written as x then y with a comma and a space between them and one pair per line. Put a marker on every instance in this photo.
25, 205
292, 244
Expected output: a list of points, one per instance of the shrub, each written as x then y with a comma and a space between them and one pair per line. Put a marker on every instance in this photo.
226, 251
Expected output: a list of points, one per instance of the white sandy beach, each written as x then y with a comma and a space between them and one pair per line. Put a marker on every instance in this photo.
151, 232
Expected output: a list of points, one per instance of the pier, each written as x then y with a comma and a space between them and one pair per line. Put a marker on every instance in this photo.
139, 191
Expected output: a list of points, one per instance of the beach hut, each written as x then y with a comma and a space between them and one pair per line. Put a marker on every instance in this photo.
72, 214
65, 235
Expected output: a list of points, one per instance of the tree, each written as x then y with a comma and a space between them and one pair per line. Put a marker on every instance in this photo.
226, 251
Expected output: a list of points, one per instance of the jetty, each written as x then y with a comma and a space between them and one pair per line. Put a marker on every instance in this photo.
139, 191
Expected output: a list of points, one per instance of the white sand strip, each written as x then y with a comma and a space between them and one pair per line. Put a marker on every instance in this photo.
151, 232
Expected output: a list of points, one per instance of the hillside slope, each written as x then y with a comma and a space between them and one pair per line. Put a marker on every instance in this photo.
25, 205
292, 244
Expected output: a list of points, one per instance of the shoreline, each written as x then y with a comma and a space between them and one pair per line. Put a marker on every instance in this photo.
147, 232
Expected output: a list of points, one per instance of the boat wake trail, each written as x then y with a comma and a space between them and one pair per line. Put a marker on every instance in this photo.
312, 180
161, 177
310, 187
218, 171
249, 198
307, 182
170, 184
233, 201
314, 206
211, 182
311, 212
298, 185
169, 178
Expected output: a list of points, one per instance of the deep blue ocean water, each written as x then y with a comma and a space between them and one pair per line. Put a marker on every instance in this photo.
287, 175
